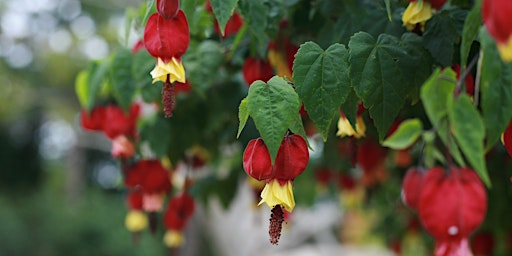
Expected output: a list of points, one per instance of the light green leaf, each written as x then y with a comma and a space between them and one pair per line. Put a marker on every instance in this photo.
123, 85
96, 80
469, 131
273, 106
243, 115
496, 102
436, 94
384, 72
223, 9
470, 31
82, 89
405, 135
322, 81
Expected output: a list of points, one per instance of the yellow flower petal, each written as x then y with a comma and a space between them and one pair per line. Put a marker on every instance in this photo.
136, 221
278, 62
346, 129
173, 68
173, 238
505, 50
273, 194
418, 12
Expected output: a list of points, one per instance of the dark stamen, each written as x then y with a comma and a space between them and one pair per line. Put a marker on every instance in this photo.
168, 98
276, 224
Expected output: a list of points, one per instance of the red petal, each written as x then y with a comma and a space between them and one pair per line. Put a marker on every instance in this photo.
257, 163
93, 121
134, 200
256, 69
156, 178
292, 158
452, 204
167, 8
179, 210
117, 122
507, 138
166, 39
496, 17
411, 188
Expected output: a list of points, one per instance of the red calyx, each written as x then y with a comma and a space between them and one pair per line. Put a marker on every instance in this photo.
257, 163
292, 158
411, 187
94, 120
256, 69
117, 122
150, 176
507, 138
452, 203
167, 38
167, 8
179, 210
134, 200
496, 18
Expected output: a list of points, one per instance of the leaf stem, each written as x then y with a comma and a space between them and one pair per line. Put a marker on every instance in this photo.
476, 94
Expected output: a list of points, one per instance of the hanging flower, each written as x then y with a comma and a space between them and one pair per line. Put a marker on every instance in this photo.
346, 129
153, 180
176, 216
118, 123
496, 18
136, 219
256, 69
411, 188
419, 11
94, 120
291, 160
506, 138
452, 205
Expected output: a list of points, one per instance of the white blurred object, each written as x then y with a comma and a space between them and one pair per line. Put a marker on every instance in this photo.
242, 229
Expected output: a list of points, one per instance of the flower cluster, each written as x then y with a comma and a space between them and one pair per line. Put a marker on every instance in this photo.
166, 37
291, 160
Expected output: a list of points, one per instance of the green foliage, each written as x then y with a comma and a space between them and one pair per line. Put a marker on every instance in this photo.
255, 13
123, 85
384, 73
322, 82
470, 31
223, 9
405, 135
273, 106
496, 78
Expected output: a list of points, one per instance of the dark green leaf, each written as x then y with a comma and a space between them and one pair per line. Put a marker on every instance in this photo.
142, 64
255, 14
441, 32
223, 9
322, 81
273, 107
469, 131
351, 106
123, 85
470, 31
496, 102
202, 64
384, 72
405, 135
156, 133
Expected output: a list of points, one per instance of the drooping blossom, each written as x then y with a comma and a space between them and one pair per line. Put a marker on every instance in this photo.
411, 187
178, 212
118, 122
496, 18
152, 179
256, 69
136, 219
452, 204
346, 129
419, 11
93, 120
291, 160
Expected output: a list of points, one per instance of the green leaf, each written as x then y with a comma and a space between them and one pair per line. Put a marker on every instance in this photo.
255, 14
123, 85
384, 72
470, 31
388, 10
322, 81
441, 32
350, 107
156, 133
223, 9
202, 64
142, 64
405, 135
243, 115
496, 102
436, 95
469, 131
273, 106
82, 89
297, 127
96, 79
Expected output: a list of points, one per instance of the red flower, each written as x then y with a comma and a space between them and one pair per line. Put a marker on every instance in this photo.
256, 69
507, 138
257, 163
167, 38
94, 120
117, 122
411, 188
452, 205
148, 175
496, 18
167, 8
134, 200
179, 210
292, 158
